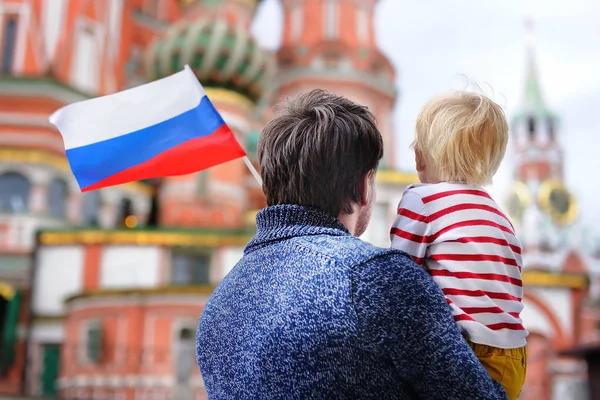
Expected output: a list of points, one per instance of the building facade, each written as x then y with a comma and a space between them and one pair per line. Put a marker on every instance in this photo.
100, 293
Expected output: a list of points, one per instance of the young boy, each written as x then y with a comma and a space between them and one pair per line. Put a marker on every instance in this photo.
451, 226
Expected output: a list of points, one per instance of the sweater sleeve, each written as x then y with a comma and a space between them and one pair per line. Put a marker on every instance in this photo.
410, 228
402, 316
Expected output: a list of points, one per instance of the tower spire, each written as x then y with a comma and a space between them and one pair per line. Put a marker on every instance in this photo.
534, 100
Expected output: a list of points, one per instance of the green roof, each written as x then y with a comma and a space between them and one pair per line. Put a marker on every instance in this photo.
534, 103
252, 142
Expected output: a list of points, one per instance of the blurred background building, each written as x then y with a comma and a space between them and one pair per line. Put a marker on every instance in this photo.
100, 293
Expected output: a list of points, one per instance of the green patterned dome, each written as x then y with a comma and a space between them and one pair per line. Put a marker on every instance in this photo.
220, 55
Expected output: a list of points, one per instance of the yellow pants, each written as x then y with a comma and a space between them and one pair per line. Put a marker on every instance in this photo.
505, 366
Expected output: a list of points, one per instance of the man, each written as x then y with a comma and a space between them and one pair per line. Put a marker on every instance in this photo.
313, 312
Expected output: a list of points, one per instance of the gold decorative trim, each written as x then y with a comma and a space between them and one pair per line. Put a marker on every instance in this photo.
174, 289
252, 3
396, 177
544, 195
250, 217
543, 278
141, 238
220, 95
40, 319
7, 291
523, 194
56, 161
522, 191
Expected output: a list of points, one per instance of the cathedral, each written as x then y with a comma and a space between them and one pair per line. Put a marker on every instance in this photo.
100, 292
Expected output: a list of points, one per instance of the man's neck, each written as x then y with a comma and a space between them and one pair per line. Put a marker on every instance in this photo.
349, 221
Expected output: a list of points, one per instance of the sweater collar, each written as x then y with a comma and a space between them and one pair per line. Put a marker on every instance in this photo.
286, 221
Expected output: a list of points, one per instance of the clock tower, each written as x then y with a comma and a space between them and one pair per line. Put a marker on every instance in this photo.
539, 199
555, 271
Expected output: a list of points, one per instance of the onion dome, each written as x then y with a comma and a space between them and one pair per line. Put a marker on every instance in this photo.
220, 55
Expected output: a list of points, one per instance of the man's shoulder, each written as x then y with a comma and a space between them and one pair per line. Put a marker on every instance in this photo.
351, 251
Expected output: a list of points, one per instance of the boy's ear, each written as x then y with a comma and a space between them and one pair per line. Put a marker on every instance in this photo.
420, 163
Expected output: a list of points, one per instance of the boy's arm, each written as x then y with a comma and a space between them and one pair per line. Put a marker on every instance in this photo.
403, 316
410, 228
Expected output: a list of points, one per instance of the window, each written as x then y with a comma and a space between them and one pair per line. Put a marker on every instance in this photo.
331, 19
91, 207
126, 216
92, 342
551, 130
135, 60
10, 306
85, 63
14, 193
297, 16
531, 127
50, 368
3, 312
8, 45
362, 25
191, 269
57, 198
154, 214
153, 8
202, 179
185, 359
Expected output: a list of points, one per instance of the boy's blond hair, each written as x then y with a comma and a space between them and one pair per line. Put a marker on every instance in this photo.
462, 137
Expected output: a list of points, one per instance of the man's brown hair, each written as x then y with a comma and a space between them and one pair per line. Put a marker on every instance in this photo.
316, 151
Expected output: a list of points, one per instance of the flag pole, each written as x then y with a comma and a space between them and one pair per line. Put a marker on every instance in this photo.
245, 158
252, 170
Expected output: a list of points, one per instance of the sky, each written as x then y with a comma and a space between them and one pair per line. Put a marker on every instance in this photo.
442, 45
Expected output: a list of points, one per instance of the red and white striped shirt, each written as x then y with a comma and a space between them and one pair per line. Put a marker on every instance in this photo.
468, 245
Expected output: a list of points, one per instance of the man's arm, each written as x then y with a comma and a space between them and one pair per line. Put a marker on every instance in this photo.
402, 314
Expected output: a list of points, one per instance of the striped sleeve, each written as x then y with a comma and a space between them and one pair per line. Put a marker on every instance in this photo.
410, 228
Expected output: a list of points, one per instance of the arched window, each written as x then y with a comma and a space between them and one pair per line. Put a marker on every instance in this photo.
14, 192
551, 129
57, 198
531, 127
185, 355
202, 179
91, 208
126, 216
186, 334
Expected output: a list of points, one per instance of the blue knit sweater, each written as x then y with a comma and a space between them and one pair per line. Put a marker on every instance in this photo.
311, 312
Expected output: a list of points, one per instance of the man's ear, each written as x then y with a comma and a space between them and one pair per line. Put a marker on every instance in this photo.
367, 187
419, 161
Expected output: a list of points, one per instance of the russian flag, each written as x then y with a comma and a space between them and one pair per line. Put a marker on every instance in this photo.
164, 128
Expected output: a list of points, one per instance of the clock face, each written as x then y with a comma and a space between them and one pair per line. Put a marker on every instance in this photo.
560, 201
557, 202
514, 207
518, 200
